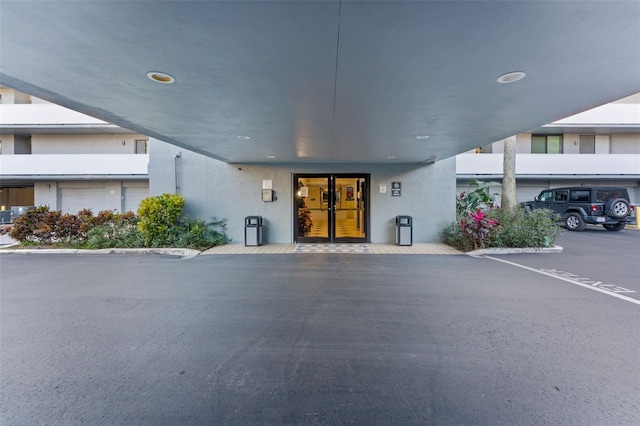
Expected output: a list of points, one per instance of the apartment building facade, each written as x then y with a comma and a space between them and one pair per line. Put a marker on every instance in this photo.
50, 155
600, 146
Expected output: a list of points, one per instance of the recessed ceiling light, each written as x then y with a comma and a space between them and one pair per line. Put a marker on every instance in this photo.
391, 157
420, 137
244, 138
271, 156
511, 77
160, 77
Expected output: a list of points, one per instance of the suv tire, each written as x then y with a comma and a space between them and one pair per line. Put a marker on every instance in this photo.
574, 222
617, 208
615, 226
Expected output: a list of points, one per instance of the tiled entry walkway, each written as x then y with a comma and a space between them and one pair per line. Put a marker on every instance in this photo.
332, 248
417, 248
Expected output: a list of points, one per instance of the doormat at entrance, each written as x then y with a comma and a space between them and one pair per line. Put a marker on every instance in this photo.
332, 248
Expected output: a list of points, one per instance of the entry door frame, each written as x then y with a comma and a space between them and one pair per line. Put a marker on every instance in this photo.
331, 179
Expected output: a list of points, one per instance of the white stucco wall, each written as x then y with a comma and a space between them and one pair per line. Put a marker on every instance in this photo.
625, 144
233, 191
8, 146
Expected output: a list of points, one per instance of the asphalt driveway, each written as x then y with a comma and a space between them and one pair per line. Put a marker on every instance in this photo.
310, 339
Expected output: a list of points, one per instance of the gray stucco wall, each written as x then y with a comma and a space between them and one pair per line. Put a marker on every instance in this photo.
233, 191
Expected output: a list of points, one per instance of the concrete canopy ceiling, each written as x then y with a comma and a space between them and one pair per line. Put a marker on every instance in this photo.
323, 81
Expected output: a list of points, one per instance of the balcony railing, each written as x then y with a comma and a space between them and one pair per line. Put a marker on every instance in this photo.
43, 114
551, 164
73, 164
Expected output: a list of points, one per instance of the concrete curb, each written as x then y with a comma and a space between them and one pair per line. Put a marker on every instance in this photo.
522, 250
183, 253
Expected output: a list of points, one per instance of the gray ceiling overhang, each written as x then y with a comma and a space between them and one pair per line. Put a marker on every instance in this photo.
323, 81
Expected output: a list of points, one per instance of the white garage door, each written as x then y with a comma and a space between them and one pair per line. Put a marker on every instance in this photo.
526, 193
72, 200
132, 197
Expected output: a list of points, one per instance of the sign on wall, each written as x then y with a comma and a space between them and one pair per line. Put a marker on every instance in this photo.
396, 189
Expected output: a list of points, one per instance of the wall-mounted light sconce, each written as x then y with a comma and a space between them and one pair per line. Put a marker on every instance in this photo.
49, 186
124, 142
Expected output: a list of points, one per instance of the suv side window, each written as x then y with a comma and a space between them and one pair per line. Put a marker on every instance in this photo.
580, 196
560, 196
605, 195
545, 196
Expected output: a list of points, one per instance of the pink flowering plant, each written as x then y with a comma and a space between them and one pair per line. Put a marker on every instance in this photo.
477, 229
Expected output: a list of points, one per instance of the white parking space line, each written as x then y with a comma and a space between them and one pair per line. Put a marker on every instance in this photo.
591, 286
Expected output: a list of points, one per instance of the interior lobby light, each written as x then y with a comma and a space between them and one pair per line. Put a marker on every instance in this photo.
511, 77
271, 156
160, 77
391, 157
244, 138
421, 137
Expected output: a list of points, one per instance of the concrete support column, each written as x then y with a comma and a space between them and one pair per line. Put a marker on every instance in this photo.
509, 199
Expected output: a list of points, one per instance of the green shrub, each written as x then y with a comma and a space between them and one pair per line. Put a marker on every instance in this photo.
198, 234
42, 226
157, 215
520, 229
25, 225
503, 229
157, 226
115, 231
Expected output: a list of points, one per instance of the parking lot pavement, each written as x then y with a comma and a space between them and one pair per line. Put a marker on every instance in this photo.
309, 339
596, 258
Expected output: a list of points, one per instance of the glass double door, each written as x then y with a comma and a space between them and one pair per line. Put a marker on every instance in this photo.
331, 208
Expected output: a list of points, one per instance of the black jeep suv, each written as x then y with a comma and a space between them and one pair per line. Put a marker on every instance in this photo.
582, 205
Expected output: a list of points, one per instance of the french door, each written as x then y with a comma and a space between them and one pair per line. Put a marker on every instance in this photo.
331, 208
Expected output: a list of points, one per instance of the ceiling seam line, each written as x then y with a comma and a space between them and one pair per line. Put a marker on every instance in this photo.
335, 79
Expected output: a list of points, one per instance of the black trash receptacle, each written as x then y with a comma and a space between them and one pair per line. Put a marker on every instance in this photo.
404, 230
253, 231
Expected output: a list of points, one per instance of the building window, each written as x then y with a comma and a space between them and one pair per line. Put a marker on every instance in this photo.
485, 149
546, 144
141, 146
587, 144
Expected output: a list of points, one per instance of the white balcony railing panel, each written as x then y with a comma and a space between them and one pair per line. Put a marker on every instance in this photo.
43, 114
610, 114
74, 164
551, 164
